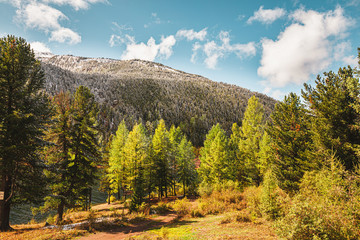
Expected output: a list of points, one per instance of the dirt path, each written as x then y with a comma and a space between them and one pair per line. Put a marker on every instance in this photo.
128, 231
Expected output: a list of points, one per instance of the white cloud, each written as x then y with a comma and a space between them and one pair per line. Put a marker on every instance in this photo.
303, 48
266, 16
40, 47
43, 16
150, 50
116, 40
76, 4
351, 60
40, 16
214, 52
155, 20
340, 51
197, 46
191, 34
65, 35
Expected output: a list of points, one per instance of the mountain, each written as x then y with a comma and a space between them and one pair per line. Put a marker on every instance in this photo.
137, 90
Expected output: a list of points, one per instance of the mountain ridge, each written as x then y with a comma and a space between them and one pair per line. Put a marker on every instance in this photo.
138, 90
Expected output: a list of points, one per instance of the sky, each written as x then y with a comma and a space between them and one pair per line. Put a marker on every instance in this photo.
271, 47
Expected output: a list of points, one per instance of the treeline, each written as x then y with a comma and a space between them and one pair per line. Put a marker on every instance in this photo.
144, 163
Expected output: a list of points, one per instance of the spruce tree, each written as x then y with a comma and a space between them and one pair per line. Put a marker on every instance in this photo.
24, 112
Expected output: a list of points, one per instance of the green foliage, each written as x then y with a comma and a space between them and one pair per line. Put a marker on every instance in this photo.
117, 171
250, 135
215, 158
334, 104
160, 155
136, 152
187, 174
24, 112
291, 142
74, 154
327, 206
270, 197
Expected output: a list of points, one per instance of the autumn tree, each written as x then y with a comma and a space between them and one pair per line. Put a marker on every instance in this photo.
117, 166
24, 112
250, 135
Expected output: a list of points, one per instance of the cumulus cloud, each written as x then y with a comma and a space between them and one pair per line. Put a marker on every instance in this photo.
213, 51
40, 16
303, 48
266, 16
40, 47
44, 16
65, 35
150, 50
192, 35
340, 51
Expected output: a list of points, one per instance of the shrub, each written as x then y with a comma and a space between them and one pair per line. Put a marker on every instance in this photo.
182, 207
327, 206
252, 197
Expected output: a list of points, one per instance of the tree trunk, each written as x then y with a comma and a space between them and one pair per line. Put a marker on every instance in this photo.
5, 187
109, 194
90, 198
184, 189
60, 211
118, 192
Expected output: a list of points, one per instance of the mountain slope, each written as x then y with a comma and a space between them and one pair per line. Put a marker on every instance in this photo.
136, 89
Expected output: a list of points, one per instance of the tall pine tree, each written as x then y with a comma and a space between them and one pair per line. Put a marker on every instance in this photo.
24, 111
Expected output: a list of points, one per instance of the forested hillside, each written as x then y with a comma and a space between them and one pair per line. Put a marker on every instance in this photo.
140, 90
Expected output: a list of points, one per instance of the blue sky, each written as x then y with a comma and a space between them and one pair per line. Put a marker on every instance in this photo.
271, 47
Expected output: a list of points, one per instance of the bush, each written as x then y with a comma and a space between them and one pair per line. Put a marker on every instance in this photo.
252, 196
182, 207
327, 206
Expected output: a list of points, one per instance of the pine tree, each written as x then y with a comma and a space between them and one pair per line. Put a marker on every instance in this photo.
85, 154
160, 154
24, 112
331, 101
57, 156
117, 168
291, 142
251, 133
186, 166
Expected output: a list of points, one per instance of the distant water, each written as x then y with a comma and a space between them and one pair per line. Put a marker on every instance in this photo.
21, 214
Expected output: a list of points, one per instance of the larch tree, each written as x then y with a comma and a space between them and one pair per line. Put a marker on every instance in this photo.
117, 166
175, 137
214, 157
186, 165
251, 132
24, 113
160, 155
136, 152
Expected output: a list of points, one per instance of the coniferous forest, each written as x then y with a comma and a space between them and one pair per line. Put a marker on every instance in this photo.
294, 163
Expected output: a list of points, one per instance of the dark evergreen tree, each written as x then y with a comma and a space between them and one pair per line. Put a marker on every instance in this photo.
291, 142
24, 112
331, 102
